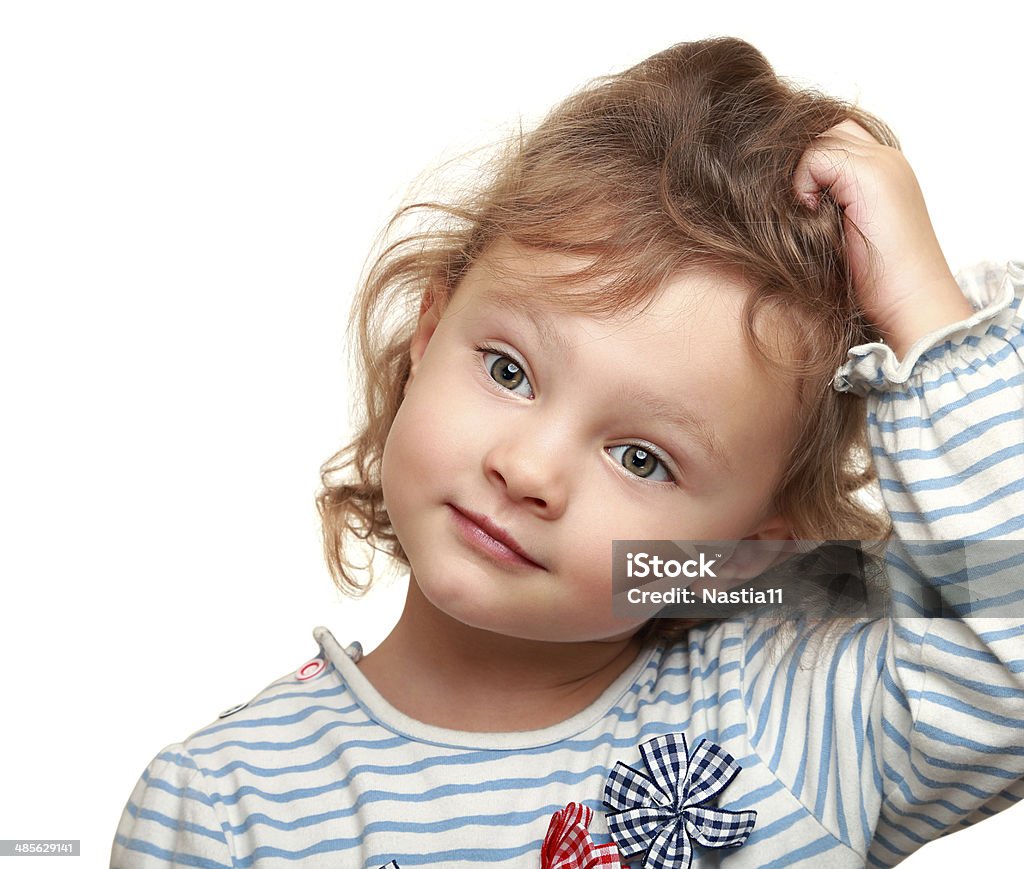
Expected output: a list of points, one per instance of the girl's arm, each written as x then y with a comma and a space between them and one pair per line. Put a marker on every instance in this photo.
946, 726
937, 704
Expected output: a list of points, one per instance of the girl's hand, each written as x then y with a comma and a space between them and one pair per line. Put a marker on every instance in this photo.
906, 289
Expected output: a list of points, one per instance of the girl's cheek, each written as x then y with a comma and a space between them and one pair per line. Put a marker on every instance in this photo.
406, 450
387, 466
425, 430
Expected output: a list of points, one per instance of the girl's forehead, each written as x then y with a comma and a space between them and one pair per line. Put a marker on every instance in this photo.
525, 280
511, 271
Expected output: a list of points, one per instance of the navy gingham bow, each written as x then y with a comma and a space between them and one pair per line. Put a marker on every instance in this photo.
658, 813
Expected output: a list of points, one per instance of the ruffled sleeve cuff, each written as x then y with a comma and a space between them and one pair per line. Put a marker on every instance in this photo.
994, 291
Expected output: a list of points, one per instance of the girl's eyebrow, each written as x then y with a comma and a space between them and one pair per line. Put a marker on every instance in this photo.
523, 306
671, 413
677, 416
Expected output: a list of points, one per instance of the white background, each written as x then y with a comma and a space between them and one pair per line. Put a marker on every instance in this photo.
188, 192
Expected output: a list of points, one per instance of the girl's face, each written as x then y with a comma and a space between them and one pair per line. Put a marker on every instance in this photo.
530, 438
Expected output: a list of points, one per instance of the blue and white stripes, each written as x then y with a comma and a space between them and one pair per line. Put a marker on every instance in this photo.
899, 732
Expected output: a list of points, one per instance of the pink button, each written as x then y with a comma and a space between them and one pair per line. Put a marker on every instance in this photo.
310, 669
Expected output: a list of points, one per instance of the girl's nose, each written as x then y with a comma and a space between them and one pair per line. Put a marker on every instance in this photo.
531, 471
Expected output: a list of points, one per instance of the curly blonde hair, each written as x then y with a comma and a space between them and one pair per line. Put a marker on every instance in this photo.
685, 159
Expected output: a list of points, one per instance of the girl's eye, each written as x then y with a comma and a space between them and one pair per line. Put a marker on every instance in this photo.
643, 462
507, 372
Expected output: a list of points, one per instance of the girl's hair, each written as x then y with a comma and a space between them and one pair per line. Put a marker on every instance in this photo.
685, 160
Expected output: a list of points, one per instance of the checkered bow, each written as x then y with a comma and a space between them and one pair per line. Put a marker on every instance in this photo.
657, 814
567, 844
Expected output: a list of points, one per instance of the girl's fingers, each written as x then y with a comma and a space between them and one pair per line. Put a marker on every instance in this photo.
820, 168
824, 165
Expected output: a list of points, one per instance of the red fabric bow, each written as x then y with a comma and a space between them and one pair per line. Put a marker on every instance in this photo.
567, 844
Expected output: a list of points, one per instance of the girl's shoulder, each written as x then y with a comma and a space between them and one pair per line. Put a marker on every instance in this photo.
178, 803
277, 718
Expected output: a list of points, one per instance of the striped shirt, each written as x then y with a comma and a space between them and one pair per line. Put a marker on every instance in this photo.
905, 729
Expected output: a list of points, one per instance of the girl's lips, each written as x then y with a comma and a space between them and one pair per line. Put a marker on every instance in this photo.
477, 530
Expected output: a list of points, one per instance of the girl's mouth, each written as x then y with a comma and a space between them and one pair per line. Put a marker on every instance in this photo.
484, 536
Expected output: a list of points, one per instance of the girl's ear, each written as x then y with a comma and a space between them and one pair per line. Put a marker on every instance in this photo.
773, 528
755, 560
430, 316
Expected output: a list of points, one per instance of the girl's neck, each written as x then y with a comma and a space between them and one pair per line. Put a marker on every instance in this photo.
447, 674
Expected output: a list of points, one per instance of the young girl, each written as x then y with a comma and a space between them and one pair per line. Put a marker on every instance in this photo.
641, 328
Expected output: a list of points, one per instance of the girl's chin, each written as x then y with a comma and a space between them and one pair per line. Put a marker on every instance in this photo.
507, 614
536, 630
